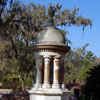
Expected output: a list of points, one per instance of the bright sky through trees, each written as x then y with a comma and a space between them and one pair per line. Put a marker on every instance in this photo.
89, 9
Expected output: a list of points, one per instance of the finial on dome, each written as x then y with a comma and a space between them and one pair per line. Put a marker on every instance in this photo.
51, 13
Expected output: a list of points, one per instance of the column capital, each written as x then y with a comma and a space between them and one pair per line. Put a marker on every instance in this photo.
47, 58
57, 58
39, 57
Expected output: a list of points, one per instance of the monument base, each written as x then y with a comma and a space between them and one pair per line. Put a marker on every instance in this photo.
49, 94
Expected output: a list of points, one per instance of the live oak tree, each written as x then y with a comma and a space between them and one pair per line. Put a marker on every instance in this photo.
19, 25
77, 63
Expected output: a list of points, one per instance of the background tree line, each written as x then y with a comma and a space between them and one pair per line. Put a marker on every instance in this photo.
20, 24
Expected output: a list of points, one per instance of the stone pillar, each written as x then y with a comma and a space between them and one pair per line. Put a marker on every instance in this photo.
56, 73
62, 76
39, 66
46, 83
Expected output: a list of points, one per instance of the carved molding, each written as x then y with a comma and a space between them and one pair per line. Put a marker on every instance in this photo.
51, 48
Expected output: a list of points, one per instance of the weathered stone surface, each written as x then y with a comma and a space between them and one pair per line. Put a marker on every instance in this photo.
39, 66
50, 94
50, 43
50, 35
48, 97
46, 70
56, 73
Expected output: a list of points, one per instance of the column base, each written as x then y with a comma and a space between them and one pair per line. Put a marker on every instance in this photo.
56, 86
46, 86
63, 86
38, 85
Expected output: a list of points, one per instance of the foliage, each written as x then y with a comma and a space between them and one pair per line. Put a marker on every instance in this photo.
91, 88
74, 85
14, 82
77, 63
16, 96
87, 64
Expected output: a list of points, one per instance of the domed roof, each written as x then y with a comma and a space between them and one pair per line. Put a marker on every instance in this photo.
50, 35
50, 38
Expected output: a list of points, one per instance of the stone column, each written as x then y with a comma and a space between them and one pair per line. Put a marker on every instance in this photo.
56, 72
63, 72
39, 67
46, 83
62, 77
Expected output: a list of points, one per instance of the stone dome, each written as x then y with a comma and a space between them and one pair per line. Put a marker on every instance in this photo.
50, 35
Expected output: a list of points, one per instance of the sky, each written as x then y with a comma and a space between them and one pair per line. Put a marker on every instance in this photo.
88, 9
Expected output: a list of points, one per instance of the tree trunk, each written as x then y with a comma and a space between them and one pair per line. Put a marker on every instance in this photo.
23, 83
32, 77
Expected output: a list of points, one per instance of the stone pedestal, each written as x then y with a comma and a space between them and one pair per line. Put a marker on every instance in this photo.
50, 94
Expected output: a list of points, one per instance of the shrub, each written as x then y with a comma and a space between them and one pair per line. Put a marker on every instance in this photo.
91, 90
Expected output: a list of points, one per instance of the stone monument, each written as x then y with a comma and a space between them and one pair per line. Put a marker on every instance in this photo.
49, 49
